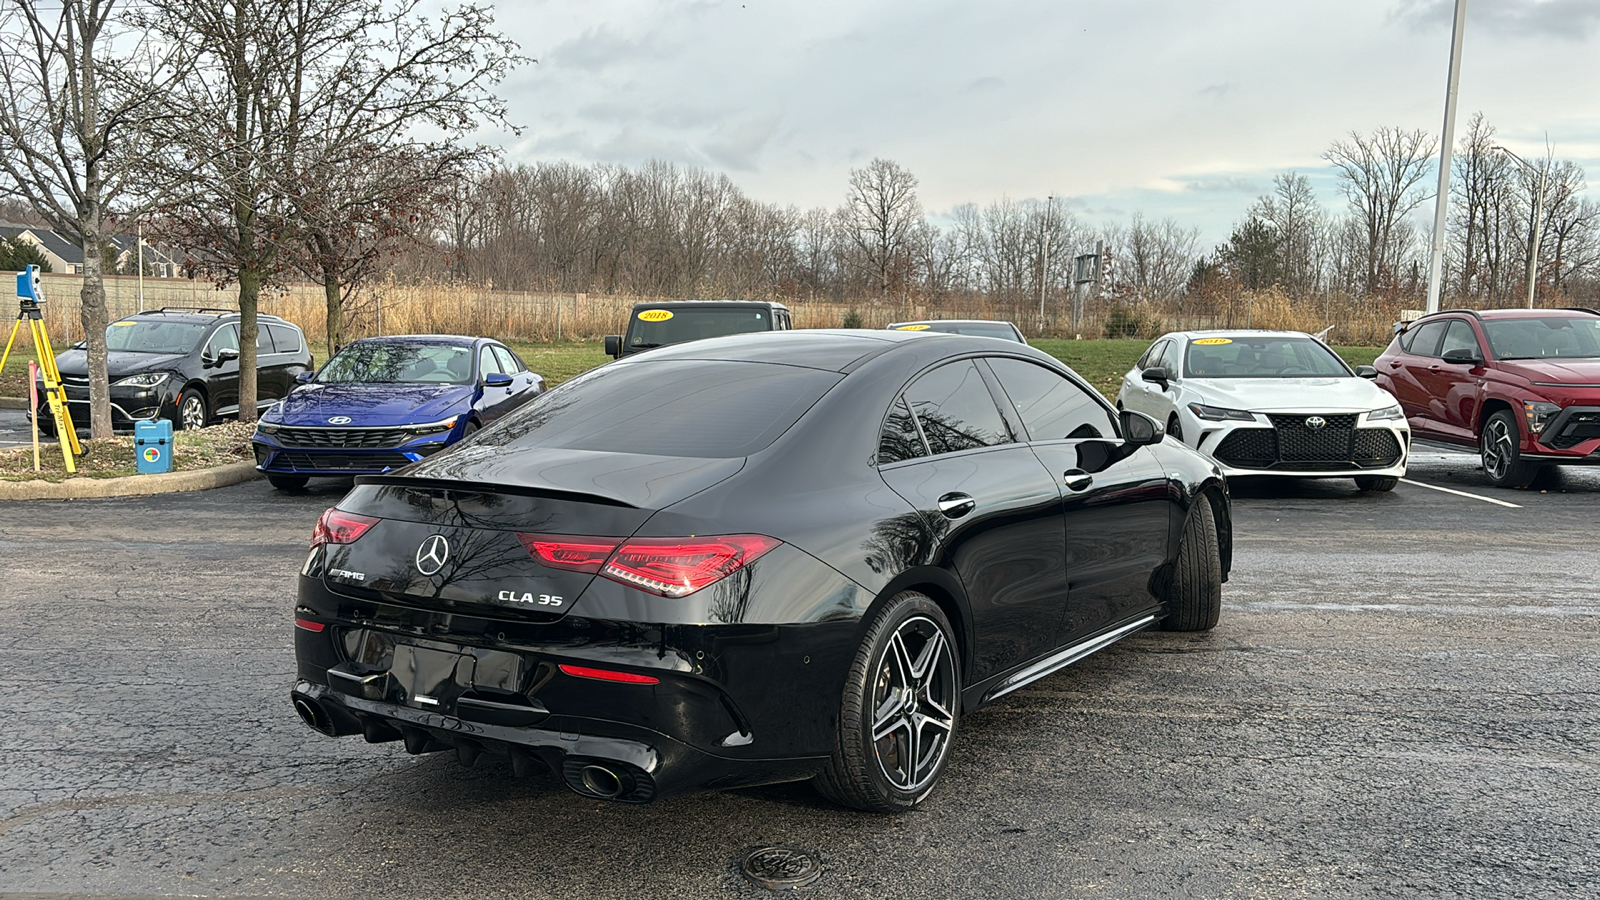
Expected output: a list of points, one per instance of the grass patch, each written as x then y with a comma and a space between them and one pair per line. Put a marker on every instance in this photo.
14, 377
559, 362
215, 446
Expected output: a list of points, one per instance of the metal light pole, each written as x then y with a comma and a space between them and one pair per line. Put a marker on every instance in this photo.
1538, 218
1044, 267
1441, 203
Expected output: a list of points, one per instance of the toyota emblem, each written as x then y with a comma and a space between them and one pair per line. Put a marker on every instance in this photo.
432, 555
339, 420
1315, 422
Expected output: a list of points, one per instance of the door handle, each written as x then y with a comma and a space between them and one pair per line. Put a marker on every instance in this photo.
1078, 479
1435, 369
956, 505
1395, 364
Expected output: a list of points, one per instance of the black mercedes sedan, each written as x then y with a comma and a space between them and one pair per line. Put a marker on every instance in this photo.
751, 559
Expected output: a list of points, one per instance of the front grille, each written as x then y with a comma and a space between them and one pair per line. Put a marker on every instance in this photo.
342, 438
343, 462
1292, 444
1579, 427
75, 380
1298, 442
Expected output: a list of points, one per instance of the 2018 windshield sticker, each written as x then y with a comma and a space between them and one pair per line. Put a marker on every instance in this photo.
912, 328
655, 315
1215, 341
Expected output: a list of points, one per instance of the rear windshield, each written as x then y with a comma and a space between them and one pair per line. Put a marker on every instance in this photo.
1261, 357
694, 408
1555, 337
660, 327
146, 336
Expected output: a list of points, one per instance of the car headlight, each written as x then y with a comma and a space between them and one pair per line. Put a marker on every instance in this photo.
1538, 413
1392, 411
147, 380
432, 427
1218, 413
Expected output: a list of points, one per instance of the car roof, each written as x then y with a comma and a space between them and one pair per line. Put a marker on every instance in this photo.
198, 314
681, 304
424, 339
950, 322
831, 349
1237, 333
1564, 313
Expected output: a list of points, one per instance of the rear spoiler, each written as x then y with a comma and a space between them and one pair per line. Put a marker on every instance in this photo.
442, 485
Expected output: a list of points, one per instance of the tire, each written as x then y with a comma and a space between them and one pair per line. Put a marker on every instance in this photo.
1174, 428
1376, 484
1194, 598
192, 411
288, 482
906, 680
1500, 446
47, 427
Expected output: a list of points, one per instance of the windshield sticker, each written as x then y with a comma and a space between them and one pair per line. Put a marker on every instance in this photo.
1214, 341
912, 328
122, 324
655, 315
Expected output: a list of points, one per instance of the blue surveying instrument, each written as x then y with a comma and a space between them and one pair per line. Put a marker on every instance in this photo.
29, 299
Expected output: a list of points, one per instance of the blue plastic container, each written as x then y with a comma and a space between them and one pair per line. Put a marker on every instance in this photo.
152, 446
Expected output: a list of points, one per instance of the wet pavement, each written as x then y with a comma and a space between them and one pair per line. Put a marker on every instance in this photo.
1399, 701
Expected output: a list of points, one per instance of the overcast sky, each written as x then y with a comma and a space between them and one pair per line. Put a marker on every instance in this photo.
1174, 108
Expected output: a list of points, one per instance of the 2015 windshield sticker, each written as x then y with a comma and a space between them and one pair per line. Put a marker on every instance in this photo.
1215, 341
912, 328
655, 315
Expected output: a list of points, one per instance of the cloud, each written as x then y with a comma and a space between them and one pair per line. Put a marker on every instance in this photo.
1571, 19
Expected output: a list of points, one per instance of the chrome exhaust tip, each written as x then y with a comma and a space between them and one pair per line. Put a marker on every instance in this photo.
600, 781
312, 713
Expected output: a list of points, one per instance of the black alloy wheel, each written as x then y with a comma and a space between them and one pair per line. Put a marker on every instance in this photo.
288, 482
899, 710
1376, 483
1501, 448
192, 412
1194, 597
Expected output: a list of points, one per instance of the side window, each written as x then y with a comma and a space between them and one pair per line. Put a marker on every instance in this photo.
1426, 341
1051, 407
487, 364
224, 338
1460, 337
285, 338
263, 340
509, 363
900, 440
1169, 359
955, 409
1152, 356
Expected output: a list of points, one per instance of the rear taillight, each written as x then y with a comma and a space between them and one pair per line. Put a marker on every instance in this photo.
562, 551
671, 567
608, 675
339, 527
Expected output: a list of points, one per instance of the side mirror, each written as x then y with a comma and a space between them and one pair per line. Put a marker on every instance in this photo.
1366, 372
1463, 356
1157, 375
614, 346
227, 354
496, 379
1139, 430
304, 377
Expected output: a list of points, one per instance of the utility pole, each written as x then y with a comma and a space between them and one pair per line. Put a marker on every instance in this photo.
140, 240
1044, 266
1538, 216
1441, 203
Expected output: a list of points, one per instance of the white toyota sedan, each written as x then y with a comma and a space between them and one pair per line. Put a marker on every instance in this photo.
1271, 403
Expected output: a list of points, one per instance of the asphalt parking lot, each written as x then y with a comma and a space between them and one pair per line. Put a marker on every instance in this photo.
1399, 701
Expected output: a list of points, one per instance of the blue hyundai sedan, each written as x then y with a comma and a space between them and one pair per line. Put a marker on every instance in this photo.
386, 402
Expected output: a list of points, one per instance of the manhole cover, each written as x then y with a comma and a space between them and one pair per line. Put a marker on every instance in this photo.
781, 868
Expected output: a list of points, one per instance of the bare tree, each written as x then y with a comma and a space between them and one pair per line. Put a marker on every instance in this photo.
71, 122
1379, 176
1153, 260
879, 218
1296, 218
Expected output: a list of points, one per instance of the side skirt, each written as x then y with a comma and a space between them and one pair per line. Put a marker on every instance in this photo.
1062, 658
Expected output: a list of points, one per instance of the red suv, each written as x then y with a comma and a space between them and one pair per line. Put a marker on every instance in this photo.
1521, 385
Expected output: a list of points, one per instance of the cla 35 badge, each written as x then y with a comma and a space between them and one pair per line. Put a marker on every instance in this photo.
433, 554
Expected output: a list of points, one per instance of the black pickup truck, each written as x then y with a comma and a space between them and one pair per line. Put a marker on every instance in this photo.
652, 325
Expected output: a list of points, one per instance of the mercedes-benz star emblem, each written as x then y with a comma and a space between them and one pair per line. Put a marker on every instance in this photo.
1315, 422
339, 420
432, 555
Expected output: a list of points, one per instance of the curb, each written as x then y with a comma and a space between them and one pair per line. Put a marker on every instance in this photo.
130, 485
13, 403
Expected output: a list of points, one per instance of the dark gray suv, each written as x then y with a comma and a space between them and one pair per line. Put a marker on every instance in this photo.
181, 364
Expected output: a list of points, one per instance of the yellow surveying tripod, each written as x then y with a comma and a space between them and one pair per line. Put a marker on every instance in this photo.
29, 299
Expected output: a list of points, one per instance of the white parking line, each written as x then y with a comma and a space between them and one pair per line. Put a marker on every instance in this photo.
1435, 487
